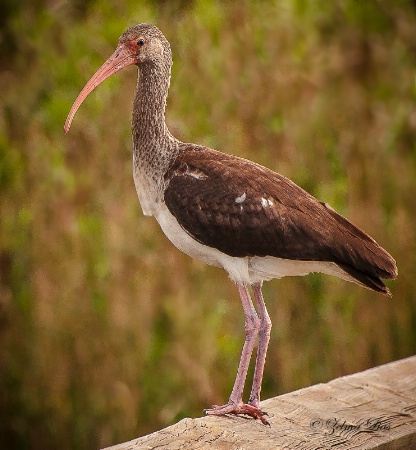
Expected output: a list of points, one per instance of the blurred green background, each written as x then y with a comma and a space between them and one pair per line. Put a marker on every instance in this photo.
107, 332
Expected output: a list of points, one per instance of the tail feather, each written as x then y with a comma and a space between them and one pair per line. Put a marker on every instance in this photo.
362, 257
366, 279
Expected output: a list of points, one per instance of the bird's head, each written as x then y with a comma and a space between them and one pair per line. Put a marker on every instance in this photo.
142, 44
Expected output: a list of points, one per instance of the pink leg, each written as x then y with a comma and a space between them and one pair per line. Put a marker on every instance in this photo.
264, 338
235, 403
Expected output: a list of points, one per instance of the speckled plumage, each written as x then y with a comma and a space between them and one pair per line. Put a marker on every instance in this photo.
153, 144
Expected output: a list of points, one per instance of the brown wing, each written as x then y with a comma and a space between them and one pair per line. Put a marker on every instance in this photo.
244, 209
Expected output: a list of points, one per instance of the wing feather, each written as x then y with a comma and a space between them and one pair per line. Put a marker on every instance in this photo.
245, 209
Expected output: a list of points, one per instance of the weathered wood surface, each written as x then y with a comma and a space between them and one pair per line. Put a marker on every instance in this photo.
371, 409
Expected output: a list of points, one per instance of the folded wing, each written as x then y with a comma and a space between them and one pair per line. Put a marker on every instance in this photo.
244, 209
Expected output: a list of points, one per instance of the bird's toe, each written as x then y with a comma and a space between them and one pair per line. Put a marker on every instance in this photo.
238, 409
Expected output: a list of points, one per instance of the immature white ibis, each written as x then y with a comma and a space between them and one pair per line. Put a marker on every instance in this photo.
230, 212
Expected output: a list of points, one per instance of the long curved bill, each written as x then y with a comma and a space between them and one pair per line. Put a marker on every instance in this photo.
122, 57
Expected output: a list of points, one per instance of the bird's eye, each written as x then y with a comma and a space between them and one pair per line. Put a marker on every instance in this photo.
140, 42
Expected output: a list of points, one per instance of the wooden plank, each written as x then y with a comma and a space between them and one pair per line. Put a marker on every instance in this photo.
374, 409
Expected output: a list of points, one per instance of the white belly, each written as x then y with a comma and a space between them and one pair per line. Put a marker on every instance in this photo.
237, 268
248, 270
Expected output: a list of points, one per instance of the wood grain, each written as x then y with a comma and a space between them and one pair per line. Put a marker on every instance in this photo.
371, 409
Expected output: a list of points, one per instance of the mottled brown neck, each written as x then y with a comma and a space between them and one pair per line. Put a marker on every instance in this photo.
153, 145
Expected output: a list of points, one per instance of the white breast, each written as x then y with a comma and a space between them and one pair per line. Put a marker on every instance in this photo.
147, 190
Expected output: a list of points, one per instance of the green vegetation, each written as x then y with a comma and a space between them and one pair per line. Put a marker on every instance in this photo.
107, 332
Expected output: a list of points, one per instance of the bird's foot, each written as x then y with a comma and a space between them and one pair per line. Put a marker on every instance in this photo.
237, 409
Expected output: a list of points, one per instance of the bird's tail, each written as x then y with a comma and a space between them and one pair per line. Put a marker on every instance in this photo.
362, 257
369, 280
